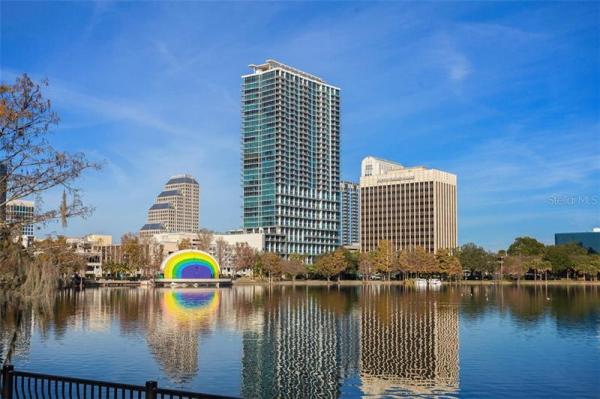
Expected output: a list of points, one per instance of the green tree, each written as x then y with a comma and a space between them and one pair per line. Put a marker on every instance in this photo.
118, 269
588, 265
351, 261
476, 259
563, 257
526, 246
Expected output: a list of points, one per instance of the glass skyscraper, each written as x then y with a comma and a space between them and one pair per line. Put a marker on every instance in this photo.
291, 161
349, 213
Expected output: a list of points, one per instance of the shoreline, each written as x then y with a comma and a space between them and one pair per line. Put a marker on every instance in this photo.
408, 283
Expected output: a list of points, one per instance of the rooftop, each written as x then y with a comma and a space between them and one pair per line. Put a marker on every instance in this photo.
169, 193
152, 226
20, 202
178, 179
161, 206
272, 64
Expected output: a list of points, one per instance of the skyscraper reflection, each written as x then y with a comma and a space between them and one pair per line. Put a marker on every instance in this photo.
302, 349
408, 344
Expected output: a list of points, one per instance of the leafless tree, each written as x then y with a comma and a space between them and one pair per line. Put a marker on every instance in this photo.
221, 250
244, 257
205, 238
30, 164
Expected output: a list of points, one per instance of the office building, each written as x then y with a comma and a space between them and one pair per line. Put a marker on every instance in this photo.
21, 212
176, 208
349, 213
290, 163
589, 240
407, 206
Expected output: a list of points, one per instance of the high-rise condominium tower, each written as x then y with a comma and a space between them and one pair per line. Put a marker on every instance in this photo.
407, 206
349, 212
291, 162
176, 208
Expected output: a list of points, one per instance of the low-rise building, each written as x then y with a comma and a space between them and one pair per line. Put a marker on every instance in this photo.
90, 247
589, 240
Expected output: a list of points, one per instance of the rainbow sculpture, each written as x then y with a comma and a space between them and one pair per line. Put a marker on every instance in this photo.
190, 264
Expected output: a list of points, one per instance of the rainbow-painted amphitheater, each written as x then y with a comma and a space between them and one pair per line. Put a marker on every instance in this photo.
191, 266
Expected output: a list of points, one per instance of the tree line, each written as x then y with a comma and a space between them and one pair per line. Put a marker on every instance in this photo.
525, 257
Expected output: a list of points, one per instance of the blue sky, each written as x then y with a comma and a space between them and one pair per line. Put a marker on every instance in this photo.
505, 95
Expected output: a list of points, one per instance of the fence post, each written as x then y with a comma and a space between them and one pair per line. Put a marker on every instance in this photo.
7, 381
151, 387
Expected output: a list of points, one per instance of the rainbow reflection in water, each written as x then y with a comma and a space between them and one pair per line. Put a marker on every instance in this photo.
190, 304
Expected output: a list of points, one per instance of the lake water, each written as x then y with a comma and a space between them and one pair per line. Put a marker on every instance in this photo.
308, 342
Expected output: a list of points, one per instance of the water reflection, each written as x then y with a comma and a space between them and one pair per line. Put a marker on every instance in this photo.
174, 335
307, 342
409, 343
292, 341
190, 305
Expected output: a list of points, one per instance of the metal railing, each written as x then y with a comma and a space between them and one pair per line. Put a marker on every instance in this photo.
22, 384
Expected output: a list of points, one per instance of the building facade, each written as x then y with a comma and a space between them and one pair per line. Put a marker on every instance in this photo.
589, 240
90, 247
349, 213
21, 212
407, 206
176, 208
290, 159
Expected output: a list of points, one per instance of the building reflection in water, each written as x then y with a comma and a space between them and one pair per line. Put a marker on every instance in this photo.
408, 344
174, 334
301, 349
311, 340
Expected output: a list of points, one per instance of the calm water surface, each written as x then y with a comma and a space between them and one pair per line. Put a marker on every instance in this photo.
306, 342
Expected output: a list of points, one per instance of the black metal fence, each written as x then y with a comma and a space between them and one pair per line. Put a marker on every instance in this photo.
22, 384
